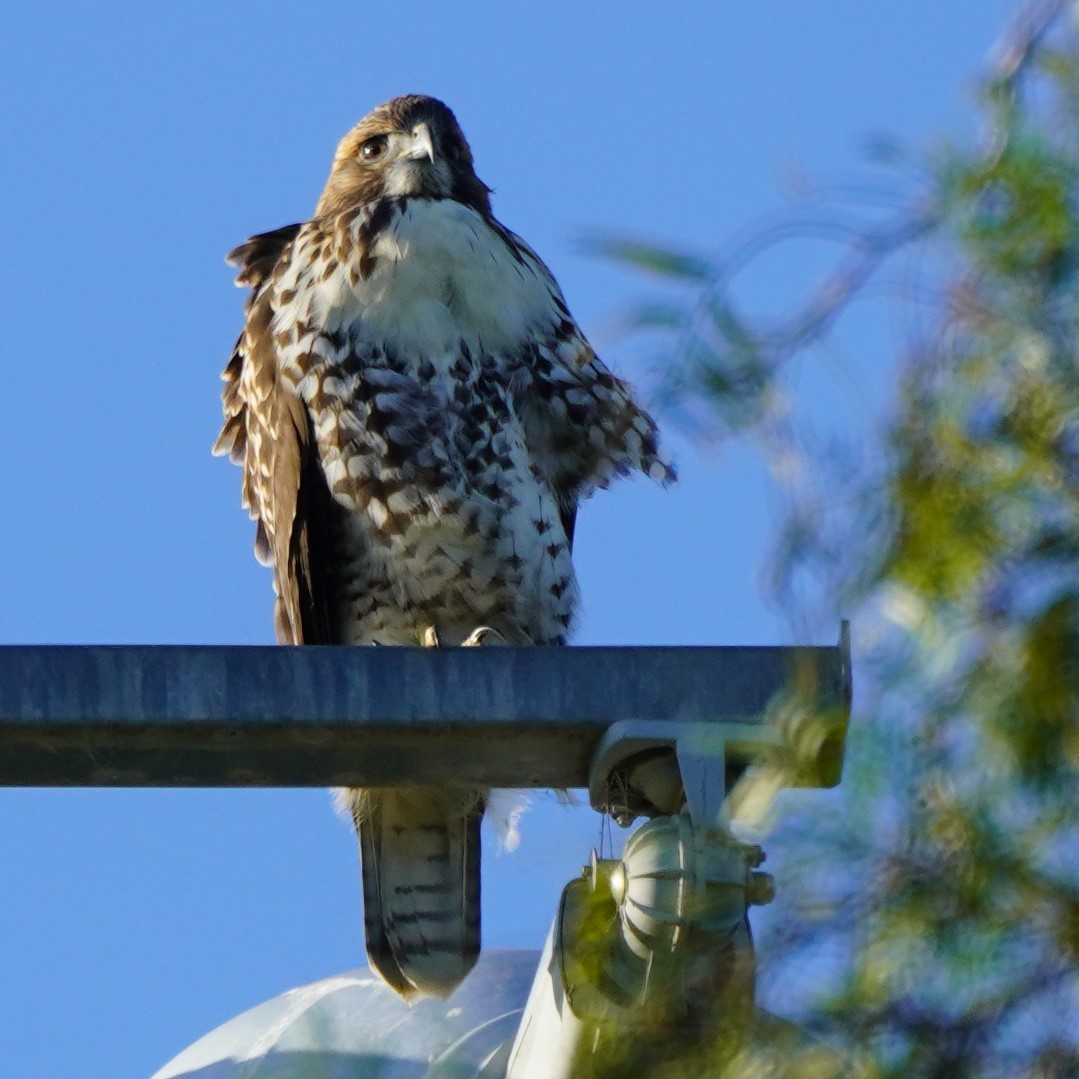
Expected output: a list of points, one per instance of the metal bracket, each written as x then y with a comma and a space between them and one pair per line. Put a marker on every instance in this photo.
638, 763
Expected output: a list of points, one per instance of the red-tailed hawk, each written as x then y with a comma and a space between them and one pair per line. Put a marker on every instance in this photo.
417, 415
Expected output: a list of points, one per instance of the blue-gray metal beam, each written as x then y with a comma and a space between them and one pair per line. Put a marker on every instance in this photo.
269, 716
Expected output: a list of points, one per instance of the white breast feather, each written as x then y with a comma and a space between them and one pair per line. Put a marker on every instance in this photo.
440, 274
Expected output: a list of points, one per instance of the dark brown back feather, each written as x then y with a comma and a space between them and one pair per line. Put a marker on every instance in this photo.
257, 256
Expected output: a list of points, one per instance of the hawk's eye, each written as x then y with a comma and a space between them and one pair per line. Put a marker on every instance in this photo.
374, 148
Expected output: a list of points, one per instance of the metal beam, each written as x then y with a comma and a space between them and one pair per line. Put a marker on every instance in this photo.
183, 716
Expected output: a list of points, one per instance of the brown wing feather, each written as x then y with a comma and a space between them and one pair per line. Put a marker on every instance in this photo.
267, 430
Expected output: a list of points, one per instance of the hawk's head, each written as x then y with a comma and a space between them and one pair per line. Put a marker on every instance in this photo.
410, 146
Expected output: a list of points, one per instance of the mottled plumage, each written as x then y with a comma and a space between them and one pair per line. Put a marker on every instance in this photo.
417, 416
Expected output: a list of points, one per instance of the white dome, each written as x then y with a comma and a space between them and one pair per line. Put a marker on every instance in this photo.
353, 1027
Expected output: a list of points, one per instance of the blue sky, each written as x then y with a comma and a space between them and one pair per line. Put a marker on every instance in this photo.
141, 142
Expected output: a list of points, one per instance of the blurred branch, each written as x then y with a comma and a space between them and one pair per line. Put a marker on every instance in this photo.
1014, 52
1011, 58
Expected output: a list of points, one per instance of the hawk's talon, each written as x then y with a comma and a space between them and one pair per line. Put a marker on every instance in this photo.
430, 637
479, 637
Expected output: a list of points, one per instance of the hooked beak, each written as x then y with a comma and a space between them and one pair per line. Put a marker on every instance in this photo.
421, 146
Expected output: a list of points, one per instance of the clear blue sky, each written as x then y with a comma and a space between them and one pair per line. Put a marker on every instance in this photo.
142, 141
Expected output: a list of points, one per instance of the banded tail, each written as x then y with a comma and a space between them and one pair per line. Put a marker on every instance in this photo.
420, 860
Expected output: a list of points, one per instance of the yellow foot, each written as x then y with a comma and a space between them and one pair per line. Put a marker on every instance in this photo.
430, 638
483, 635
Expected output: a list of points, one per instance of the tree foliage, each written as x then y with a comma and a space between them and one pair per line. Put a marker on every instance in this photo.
944, 893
